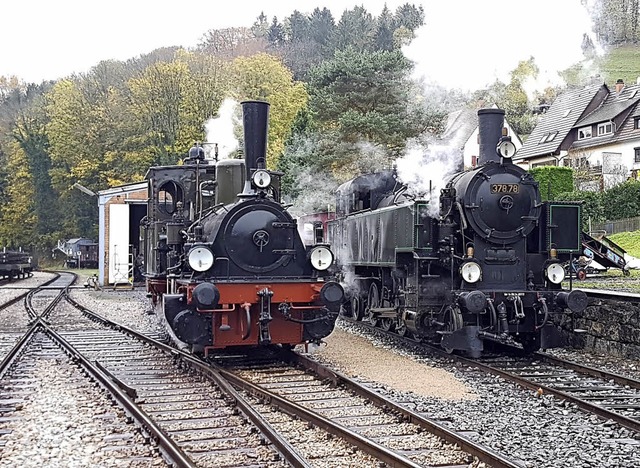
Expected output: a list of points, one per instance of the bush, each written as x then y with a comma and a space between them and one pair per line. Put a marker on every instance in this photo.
553, 180
622, 201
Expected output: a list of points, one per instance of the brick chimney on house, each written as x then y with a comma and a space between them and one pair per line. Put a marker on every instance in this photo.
619, 85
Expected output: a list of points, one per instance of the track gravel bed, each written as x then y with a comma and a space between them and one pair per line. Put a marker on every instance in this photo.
54, 416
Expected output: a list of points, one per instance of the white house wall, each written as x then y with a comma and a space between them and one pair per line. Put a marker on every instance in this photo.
612, 175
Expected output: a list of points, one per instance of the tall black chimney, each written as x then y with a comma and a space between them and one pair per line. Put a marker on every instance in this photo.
255, 118
490, 123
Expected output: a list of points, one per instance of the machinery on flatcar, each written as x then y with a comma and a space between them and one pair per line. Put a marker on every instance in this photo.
16, 264
223, 258
487, 264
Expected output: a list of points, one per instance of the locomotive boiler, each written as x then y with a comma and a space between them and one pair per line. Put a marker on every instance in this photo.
488, 265
223, 258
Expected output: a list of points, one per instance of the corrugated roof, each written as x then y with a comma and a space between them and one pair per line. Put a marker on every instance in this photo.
561, 117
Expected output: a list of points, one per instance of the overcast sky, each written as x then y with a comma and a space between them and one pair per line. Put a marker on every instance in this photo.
465, 43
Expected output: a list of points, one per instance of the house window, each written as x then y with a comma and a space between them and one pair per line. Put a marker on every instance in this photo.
636, 155
584, 132
605, 128
543, 139
474, 160
636, 123
566, 113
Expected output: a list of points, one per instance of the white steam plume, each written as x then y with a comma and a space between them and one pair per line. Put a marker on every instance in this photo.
220, 129
426, 170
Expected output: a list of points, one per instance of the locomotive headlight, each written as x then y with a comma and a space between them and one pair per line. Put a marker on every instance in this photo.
471, 272
200, 258
321, 258
506, 148
261, 179
555, 273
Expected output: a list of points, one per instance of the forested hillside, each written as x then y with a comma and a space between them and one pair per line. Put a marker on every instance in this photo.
343, 102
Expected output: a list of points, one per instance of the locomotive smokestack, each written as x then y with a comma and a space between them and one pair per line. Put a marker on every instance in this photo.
255, 117
490, 123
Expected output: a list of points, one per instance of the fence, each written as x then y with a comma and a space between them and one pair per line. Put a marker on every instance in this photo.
620, 225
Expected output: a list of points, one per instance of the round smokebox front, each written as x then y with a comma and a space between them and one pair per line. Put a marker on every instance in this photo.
256, 236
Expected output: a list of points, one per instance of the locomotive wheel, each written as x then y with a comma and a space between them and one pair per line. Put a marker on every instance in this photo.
387, 324
374, 302
452, 322
401, 328
581, 274
356, 308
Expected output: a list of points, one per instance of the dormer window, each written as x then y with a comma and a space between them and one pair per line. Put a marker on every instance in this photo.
605, 128
584, 132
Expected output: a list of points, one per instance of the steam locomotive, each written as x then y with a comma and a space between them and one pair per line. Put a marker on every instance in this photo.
223, 258
488, 265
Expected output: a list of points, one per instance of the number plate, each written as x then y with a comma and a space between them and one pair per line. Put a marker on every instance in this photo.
505, 188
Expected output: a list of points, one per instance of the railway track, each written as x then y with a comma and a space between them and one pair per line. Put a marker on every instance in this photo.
345, 443
295, 413
14, 319
394, 434
608, 395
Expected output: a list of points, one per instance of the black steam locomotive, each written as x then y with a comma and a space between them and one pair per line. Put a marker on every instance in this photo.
488, 266
223, 257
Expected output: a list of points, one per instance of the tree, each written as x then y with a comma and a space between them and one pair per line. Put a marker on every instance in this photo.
384, 31
264, 77
356, 29
229, 43
29, 213
298, 27
409, 16
367, 96
275, 34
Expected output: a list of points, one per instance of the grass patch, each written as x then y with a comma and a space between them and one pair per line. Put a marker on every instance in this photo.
629, 241
620, 62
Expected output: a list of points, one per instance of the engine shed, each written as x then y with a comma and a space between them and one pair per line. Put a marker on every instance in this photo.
120, 209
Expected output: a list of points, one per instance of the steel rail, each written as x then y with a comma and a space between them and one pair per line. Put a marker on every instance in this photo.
588, 370
16, 350
629, 423
23, 295
611, 295
367, 445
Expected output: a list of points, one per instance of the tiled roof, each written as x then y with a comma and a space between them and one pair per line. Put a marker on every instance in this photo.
566, 110
460, 126
614, 105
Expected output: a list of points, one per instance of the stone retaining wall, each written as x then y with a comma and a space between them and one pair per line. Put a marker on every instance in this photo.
608, 327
